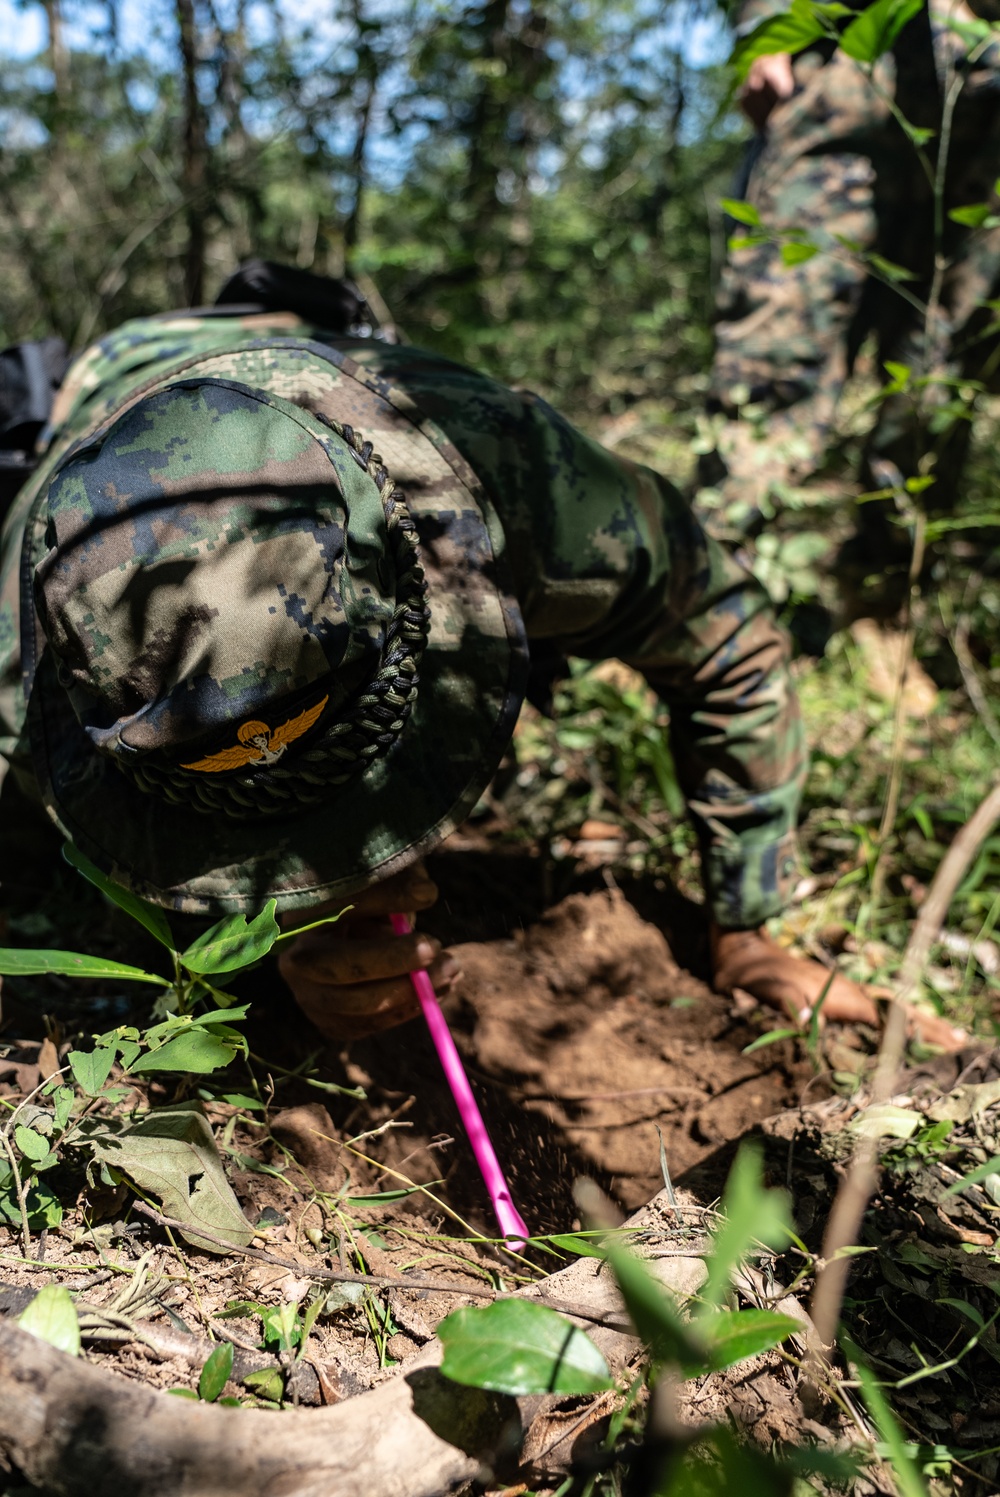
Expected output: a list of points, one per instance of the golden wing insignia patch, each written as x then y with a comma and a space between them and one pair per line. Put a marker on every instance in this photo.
258, 743
296, 726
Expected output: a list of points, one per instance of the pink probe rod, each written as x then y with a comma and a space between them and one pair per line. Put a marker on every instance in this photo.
511, 1223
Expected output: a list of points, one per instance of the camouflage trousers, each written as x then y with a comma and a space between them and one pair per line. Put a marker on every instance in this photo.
836, 168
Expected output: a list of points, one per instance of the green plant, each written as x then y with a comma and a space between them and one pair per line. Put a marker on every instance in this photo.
213, 1377
518, 1347
515, 1346
52, 1317
231, 945
168, 1151
285, 1331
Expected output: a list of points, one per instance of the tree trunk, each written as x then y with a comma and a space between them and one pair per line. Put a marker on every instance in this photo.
80, 1431
194, 162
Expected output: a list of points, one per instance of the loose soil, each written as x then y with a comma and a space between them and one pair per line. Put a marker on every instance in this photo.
584, 1034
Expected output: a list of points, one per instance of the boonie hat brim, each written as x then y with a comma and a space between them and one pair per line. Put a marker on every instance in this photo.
472, 680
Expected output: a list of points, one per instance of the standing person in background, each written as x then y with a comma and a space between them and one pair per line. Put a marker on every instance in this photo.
833, 164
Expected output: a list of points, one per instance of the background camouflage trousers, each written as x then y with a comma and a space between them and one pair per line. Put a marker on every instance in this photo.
836, 165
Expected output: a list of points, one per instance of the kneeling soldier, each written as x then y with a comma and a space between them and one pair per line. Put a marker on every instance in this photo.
266, 614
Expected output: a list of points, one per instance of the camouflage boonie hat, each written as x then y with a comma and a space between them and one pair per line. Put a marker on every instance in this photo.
273, 651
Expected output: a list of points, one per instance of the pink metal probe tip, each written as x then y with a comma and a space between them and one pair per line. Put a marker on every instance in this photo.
511, 1223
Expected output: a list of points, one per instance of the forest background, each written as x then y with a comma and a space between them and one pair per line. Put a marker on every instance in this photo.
535, 189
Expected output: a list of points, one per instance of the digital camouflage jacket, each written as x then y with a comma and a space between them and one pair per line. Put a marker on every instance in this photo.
606, 560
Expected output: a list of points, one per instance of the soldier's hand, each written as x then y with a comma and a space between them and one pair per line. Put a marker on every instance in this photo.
351, 979
750, 960
769, 82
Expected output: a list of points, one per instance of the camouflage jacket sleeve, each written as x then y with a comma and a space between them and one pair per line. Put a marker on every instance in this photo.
610, 561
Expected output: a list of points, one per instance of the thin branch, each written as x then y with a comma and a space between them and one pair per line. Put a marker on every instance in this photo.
21, 1195
970, 677
945, 882
339, 1276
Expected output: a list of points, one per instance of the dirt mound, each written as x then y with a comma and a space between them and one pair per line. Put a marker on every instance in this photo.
589, 1023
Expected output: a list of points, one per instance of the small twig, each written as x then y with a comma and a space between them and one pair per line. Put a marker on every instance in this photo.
891, 805
103, 1271
843, 1226
970, 676
340, 1276
594, 1411
25, 1100
22, 1199
640, 1091
356, 1093
951, 870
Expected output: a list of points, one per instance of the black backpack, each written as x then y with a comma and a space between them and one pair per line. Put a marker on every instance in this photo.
30, 375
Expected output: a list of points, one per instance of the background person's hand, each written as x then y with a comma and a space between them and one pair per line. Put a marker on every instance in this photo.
751, 960
769, 82
351, 979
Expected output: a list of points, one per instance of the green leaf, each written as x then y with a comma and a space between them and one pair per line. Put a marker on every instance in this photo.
15, 962
233, 943
964, 1308
216, 1372
731, 1336
281, 1327
267, 1383
976, 1176
888, 268
653, 1312
907, 1472
751, 1214
31, 1144
197, 1051
917, 134
239, 1309
514, 1346
149, 915
571, 1243
898, 373
62, 1107
52, 1317
873, 32
217, 1020
886, 1121
743, 213
972, 31
128, 1050
797, 252
171, 1153
974, 215
91, 1068
383, 1197
771, 1038
791, 31
44, 1207
221, 1016
748, 241
183, 1393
